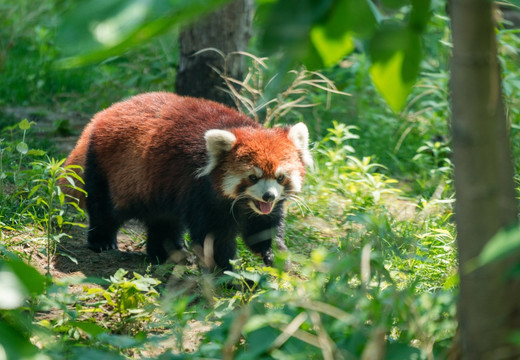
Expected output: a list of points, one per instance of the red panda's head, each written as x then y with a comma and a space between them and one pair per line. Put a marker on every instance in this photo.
262, 166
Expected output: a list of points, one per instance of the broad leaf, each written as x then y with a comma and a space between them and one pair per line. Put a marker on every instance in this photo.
12, 291
394, 4
331, 49
317, 33
25, 124
98, 29
32, 280
502, 245
420, 15
14, 343
89, 327
286, 25
395, 53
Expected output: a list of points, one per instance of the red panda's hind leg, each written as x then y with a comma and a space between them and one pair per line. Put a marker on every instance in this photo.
102, 236
103, 222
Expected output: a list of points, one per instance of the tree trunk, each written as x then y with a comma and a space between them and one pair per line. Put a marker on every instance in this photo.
228, 30
489, 304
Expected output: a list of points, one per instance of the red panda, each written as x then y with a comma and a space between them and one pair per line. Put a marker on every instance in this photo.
185, 164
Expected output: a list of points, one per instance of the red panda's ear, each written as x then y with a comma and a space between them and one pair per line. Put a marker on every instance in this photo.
299, 135
217, 142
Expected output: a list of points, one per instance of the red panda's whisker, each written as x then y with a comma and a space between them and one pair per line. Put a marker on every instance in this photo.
231, 210
299, 202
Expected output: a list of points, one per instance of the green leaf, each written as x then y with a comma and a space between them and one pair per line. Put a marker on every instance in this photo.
34, 152
12, 291
59, 219
34, 282
331, 49
333, 38
259, 341
96, 30
395, 4
14, 343
89, 327
119, 275
505, 243
25, 124
22, 148
420, 14
357, 16
395, 53
398, 351
286, 26
122, 341
34, 190
85, 353
514, 2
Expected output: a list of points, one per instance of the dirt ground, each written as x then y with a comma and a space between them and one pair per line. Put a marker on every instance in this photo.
130, 256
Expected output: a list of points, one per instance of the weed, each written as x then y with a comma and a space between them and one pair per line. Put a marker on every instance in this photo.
268, 100
129, 303
47, 195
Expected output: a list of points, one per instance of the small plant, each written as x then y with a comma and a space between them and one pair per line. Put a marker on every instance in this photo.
15, 174
14, 152
129, 303
47, 196
359, 181
434, 160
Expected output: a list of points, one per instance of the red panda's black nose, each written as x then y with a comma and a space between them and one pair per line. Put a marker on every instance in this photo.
268, 196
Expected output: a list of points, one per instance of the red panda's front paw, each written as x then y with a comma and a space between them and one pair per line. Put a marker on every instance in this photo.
268, 257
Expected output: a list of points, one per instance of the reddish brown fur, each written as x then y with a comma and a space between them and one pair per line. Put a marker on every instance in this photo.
153, 158
116, 133
265, 149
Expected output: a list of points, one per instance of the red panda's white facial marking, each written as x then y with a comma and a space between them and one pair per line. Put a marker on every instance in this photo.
264, 194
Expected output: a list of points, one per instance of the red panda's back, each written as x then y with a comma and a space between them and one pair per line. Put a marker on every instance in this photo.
152, 143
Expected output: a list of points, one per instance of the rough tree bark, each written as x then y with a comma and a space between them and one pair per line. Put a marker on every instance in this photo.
489, 304
228, 30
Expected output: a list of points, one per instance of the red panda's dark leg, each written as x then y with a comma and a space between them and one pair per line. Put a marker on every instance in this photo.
102, 235
220, 242
103, 222
224, 249
163, 238
259, 233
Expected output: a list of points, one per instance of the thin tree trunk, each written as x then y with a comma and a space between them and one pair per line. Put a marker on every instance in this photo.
228, 30
489, 304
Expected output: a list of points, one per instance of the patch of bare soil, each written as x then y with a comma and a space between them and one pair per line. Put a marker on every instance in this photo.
130, 256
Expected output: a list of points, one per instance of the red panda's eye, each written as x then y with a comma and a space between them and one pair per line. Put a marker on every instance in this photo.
280, 179
253, 178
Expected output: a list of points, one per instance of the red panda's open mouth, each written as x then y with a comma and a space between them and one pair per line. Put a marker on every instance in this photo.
264, 207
